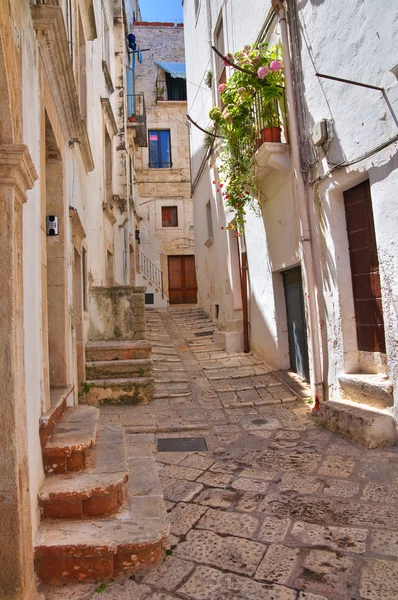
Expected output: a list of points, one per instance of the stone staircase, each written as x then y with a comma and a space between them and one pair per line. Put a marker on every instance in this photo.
118, 355
118, 372
98, 521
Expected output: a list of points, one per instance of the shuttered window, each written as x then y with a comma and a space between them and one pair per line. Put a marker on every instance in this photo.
364, 268
169, 216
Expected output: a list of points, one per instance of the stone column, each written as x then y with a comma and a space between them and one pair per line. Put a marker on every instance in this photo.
17, 174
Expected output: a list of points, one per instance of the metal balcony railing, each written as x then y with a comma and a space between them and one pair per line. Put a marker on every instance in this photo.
150, 271
136, 117
270, 114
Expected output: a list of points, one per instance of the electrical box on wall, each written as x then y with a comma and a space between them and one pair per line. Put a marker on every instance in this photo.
320, 133
52, 225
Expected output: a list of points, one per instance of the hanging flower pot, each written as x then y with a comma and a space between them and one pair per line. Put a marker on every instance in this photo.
271, 134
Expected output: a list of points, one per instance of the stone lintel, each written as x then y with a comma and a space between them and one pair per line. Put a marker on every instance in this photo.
88, 18
77, 225
17, 168
110, 120
49, 24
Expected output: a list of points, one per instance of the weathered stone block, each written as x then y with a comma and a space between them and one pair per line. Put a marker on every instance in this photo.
369, 428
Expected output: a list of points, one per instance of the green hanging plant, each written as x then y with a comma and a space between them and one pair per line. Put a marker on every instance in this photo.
246, 97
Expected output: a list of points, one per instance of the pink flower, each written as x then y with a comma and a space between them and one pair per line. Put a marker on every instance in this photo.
263, 72
221, 87
241, 90
275, 65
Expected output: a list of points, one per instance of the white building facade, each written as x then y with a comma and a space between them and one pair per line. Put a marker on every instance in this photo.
322, 272
67, 224
165, 256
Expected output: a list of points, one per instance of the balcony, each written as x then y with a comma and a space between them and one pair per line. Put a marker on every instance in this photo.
271, 137
136, 119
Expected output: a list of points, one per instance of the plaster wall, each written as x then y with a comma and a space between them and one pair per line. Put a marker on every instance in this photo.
81, 190
361, 119
353, 42
272, 235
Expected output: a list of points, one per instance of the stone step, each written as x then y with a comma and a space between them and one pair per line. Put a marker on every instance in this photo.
370, 389
68, 447
120, 391
48, 422
98, 549
98, 490
113, 350
367, 427
105, 369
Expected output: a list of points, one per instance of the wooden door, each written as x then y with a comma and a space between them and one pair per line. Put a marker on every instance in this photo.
364, 269
182, 280
296, 322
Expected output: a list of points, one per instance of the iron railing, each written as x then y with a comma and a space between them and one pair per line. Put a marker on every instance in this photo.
150, 271
136, 117
270, 114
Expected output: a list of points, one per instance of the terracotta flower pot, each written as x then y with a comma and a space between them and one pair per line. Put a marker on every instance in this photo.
132, 119
160, 98
271, 134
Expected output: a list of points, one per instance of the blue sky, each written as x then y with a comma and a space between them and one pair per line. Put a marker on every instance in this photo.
161, 10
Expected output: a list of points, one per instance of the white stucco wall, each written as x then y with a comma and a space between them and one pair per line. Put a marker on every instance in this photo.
349, 41
84, 192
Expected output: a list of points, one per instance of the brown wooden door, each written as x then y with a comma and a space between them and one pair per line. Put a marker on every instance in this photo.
364, 268
182, 280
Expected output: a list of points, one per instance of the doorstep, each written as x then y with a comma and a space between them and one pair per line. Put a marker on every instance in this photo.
367, 388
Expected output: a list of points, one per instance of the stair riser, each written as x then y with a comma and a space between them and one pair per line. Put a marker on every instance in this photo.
106, 503
95, 564
65, 464
117, 354
123, 395
117, 371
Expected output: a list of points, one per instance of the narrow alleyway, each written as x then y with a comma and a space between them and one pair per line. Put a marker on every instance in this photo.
276, 508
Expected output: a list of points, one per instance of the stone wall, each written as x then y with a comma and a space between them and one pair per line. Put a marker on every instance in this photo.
117, 313
166, 186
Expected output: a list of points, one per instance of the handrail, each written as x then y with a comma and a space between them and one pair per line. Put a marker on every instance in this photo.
151, 271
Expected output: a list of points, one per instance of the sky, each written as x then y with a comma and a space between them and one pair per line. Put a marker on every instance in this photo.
161, 10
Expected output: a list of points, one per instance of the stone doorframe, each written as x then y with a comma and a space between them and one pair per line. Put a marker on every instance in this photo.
17, 174
78, 234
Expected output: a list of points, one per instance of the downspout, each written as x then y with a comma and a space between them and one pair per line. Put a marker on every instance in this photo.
303, 208
243, 287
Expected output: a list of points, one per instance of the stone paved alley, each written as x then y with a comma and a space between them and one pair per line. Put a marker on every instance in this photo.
277, 508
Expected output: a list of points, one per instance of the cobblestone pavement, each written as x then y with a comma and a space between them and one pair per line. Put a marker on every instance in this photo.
277, 508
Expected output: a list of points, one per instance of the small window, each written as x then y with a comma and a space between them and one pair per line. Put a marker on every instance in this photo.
169, 216
209, 221
82, 71
105, 41
220, 67
108, 168
109, 268
159, 149
176, 88
84, 277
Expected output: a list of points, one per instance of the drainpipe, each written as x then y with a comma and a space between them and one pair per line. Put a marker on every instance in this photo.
303, 208
243, 286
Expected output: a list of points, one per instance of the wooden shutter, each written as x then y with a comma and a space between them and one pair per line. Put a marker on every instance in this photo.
364, 269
